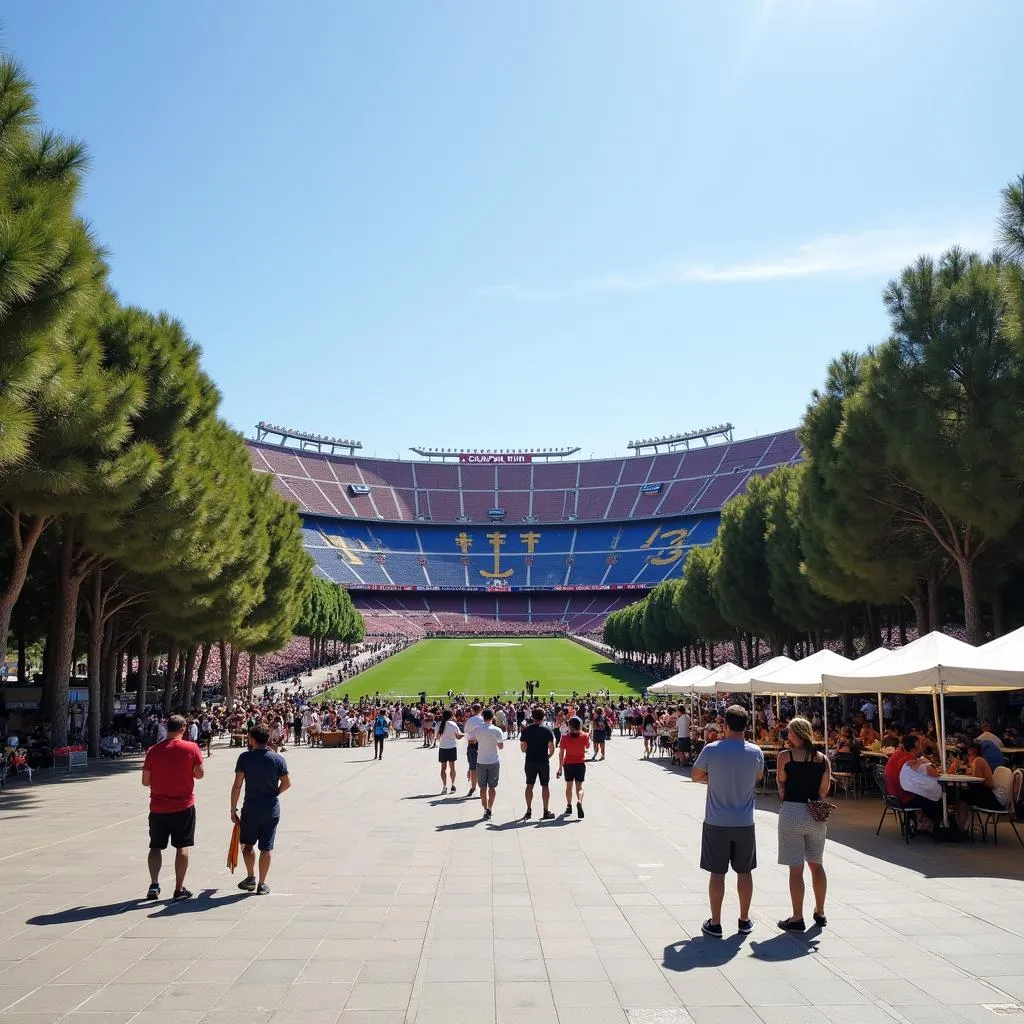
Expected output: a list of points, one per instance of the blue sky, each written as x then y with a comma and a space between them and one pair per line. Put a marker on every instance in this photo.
519, 224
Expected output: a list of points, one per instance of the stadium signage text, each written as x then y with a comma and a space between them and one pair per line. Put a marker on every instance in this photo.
497, 459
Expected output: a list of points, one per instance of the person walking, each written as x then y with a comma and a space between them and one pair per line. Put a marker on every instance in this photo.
803, 774
264, 774
489, 740
601, 727
380, 734
169, 772
731, 768
537, 742
447, 747
474, 722
572, 762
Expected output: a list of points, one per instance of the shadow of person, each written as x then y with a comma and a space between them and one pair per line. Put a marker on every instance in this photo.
701, 951
787, 946
455, 826
199, 903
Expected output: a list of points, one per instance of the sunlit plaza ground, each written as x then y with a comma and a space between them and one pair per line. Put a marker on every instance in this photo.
393, 904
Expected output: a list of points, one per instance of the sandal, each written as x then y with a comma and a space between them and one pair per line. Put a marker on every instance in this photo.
793, 924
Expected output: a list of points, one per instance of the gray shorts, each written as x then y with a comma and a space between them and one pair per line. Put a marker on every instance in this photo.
723, 845
487, 775
801, 838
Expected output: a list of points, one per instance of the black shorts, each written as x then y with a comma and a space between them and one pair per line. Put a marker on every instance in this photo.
471, 753
599, 735
446, 755
179, 827
684, 745
258, 830
538, 770
574, 772
724, 845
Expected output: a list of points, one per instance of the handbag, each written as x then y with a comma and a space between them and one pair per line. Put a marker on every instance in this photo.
821, 810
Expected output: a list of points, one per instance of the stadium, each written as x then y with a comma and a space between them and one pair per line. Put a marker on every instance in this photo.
470, 542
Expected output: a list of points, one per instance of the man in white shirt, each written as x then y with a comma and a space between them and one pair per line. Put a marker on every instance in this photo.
192, 732
683, 741
868, 710
987, 734
161, 731
489, 739
474, 722
919, 778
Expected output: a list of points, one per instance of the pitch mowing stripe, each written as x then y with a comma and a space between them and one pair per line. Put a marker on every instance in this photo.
441, 665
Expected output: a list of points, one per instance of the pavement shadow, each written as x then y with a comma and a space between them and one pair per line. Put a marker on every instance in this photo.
509, 826
701, 951
787, 946
457, 826
77, 915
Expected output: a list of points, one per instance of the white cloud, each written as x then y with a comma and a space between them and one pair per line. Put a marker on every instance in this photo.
860, 254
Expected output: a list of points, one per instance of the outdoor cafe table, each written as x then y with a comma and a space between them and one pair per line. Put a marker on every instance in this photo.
875, 753
954, 780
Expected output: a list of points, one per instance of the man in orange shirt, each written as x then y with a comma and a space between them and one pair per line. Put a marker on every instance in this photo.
169, 772
572, 753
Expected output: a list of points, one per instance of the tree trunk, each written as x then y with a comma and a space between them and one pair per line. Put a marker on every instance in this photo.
236, 653
750, 652
61, 640
998, 612
849, 651
95, 661
169, 679
119, 672
871, 633
140, 699
23, 548
934, 609
252, 675
225, 680
188, 677
204, 661
972, 606
107, 675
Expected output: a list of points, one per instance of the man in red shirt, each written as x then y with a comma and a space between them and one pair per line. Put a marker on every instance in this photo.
894, 766
572, 752
169, 772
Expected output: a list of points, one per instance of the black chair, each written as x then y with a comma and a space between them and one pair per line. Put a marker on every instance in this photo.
906, 817
846, 773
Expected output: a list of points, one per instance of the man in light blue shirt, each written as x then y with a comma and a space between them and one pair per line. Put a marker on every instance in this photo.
731, 768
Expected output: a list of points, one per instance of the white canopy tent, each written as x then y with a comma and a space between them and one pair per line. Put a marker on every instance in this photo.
710, 683
681, 682
1004, 652
797, 678
935, 664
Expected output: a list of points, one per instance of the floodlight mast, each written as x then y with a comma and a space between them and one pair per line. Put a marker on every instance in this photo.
512, 454
306, 441
674, 442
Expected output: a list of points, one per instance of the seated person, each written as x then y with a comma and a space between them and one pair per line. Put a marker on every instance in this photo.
846, 744
1010, 738
913, 779
868, 734
993, 795
987, 735
992, 753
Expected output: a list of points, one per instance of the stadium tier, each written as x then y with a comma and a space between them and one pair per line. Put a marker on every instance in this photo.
519, 546
377, 556
695, 481
417, 615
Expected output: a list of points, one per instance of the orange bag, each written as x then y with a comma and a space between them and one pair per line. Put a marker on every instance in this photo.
233, 848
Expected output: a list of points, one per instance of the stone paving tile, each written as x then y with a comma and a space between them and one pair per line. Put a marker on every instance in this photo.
401, 917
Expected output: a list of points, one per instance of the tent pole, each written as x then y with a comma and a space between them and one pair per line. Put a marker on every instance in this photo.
935, 715
824, 722
881, 715
942, 727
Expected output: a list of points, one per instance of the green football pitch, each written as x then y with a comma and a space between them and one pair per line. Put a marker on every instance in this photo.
492, 666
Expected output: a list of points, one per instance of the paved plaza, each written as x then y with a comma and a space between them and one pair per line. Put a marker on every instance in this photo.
394, 905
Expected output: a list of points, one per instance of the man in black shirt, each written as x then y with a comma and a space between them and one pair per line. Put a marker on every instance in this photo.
537, 742
264, 774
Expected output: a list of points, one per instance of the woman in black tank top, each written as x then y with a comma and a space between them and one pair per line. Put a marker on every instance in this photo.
804, 774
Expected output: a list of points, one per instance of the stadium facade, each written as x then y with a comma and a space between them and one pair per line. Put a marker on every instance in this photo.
513, 541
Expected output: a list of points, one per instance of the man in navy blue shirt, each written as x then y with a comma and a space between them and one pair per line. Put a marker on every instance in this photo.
265, 776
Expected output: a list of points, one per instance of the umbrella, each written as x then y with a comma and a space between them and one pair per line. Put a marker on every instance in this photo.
233, 848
